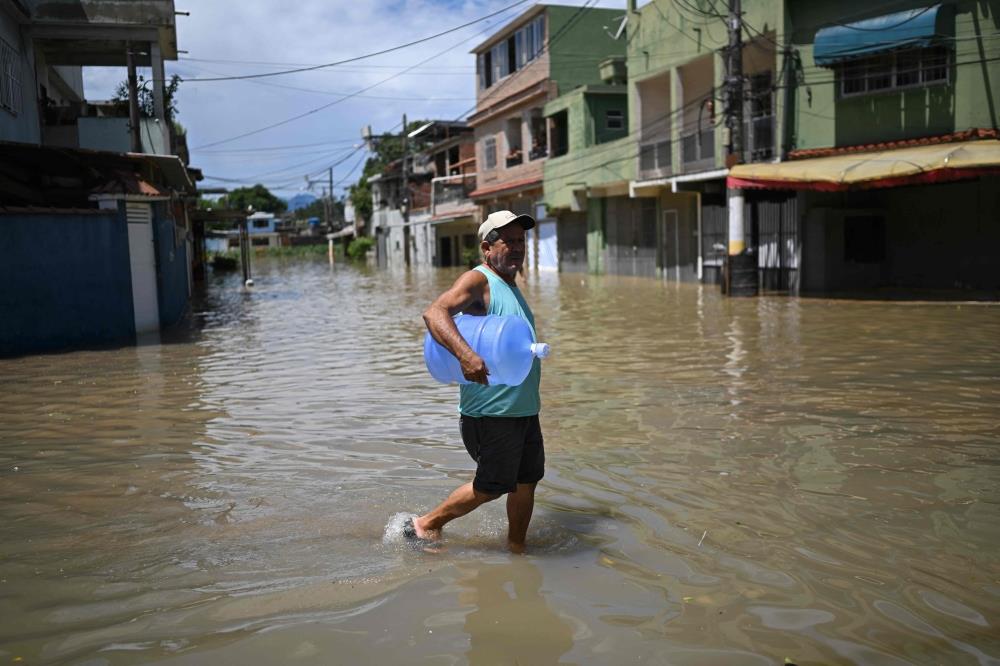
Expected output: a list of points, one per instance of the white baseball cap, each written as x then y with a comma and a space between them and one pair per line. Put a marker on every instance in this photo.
502, 218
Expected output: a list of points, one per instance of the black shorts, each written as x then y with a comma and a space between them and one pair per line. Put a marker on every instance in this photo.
507, 449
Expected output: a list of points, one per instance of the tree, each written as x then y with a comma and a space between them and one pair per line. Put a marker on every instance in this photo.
145, 95
387, 149
257, 196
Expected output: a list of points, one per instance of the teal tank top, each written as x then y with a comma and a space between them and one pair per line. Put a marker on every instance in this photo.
523, 400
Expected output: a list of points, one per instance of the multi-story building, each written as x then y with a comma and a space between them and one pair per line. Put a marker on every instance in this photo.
547, 51
850, 113
79, 196
421, 211
890, 149
652, 202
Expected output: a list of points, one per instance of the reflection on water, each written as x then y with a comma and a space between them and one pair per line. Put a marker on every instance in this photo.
511, 621
729, 481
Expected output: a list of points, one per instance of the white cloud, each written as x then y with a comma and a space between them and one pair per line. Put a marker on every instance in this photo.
312, 32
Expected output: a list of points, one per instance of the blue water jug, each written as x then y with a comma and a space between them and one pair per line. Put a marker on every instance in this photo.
506, 344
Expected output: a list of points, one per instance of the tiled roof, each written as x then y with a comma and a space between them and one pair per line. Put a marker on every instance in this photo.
965, 135
123, 182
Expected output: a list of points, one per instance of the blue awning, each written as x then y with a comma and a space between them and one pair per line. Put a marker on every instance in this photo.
913, 28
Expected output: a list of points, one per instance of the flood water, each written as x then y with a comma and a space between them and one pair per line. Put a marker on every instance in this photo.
728, 482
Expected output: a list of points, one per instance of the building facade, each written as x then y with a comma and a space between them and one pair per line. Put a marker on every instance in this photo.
547, 51
821, 80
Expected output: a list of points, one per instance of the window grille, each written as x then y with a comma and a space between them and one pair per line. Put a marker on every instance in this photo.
10, 78
892, 71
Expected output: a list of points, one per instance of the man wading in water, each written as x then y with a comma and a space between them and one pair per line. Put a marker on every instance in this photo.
499, 424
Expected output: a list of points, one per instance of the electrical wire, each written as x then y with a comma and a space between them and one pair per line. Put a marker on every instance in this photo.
367, 55
346, 97
498, 86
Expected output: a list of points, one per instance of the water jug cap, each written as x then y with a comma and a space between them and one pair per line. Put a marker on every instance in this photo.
540, 349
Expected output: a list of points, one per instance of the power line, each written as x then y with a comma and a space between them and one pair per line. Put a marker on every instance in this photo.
268, 148
365, 56
221, 61
346, 97
341, 94
493, 90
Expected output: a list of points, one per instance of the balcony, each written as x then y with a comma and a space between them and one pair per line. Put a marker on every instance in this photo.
452, 193
538, 152
513, 159
698, 150
654, 159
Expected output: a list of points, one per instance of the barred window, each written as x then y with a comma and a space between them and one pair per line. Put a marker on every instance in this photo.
10, 78
902, 69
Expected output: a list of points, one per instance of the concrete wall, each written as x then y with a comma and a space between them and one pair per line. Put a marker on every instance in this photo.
581, 39
66, 281
23, 125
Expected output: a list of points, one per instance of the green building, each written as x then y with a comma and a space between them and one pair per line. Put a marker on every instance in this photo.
870, 153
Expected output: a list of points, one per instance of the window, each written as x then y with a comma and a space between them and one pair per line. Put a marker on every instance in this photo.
260, 224
538, 35
614, 119
490, 153
902, 69
10, 78
511, 54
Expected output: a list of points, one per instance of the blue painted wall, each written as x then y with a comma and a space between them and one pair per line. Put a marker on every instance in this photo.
171, 266
65, 282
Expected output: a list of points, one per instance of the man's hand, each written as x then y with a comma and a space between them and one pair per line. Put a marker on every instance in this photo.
474, 368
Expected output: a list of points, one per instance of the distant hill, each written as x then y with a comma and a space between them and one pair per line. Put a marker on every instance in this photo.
300, 201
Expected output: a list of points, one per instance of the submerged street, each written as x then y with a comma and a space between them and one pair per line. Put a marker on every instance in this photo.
729, 481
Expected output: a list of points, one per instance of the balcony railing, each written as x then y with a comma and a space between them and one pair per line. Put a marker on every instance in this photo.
654, 158
698, 149
452, 191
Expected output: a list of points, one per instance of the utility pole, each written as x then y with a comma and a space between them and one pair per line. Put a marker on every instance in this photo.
406, 198
741, 276
329, 214
133, 101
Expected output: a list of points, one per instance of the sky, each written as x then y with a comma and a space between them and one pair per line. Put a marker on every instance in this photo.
431, 80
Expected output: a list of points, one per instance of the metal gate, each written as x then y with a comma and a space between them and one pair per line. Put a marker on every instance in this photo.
776, 240
714, 237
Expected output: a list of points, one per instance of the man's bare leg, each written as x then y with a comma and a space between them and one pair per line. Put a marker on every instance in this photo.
464, 499
520, 504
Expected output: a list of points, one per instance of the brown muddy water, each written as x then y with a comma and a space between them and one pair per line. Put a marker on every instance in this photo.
729, 482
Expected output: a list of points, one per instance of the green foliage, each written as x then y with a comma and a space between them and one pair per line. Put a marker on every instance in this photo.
294, 251
471, 257
145, 95
359, 247
257, 196
387, 149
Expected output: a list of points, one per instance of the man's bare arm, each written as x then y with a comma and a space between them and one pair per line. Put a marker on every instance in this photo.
468, 295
